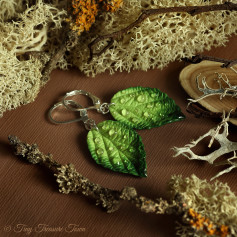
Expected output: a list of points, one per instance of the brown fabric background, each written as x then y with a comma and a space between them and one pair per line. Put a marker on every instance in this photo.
29, 193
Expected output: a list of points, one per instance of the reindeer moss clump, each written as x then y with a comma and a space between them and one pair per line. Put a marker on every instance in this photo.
10, 8
20, 72
157, 41
32, 33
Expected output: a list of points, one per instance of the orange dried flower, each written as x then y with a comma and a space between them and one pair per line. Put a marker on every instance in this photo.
83, 12
112, 5
224, 231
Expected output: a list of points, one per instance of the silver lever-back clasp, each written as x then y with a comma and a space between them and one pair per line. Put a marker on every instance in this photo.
89, 123
100, 107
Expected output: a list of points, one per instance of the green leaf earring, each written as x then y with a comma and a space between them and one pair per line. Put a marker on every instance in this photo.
117, 147
144, 108
114, 144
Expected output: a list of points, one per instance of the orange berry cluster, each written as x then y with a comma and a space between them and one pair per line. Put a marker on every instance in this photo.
199, 222
83, 12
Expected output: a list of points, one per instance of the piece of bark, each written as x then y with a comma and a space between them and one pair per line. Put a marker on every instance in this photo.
214, 87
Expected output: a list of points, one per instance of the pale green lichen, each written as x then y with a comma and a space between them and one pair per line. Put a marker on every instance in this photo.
19, 80
10, 8
30, 33
213, 200
20, 76
157, 41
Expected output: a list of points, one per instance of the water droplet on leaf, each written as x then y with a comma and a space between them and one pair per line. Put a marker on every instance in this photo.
122, 101
100, 151
140, 98
105, 127
124, 112
116, 161
149, 106
146, 114
97, 140
111, 132
123, 147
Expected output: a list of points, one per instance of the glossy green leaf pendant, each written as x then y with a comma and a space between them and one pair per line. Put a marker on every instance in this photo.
117, 147
144, 108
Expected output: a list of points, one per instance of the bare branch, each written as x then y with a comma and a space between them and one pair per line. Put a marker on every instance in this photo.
69, 42
69, 180
192, 10
199, 58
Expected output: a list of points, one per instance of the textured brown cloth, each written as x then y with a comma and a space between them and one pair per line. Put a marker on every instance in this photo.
30, 203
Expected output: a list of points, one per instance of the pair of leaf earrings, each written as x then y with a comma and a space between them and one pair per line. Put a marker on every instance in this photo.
114, 144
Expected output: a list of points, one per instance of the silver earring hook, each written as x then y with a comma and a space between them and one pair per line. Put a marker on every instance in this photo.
101, 108
89, 123
61, 104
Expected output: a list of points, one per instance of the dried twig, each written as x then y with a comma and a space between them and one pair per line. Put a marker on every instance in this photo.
69, 42
199, 58
69, 180
192, 10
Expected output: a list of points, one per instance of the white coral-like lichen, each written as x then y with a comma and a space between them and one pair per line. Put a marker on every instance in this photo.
19, 80
10, 8
20, 77
212, 200
30, 33
160, 39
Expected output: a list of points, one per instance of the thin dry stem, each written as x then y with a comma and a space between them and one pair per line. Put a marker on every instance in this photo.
199, 58
192, 10
69, 180
68, 43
